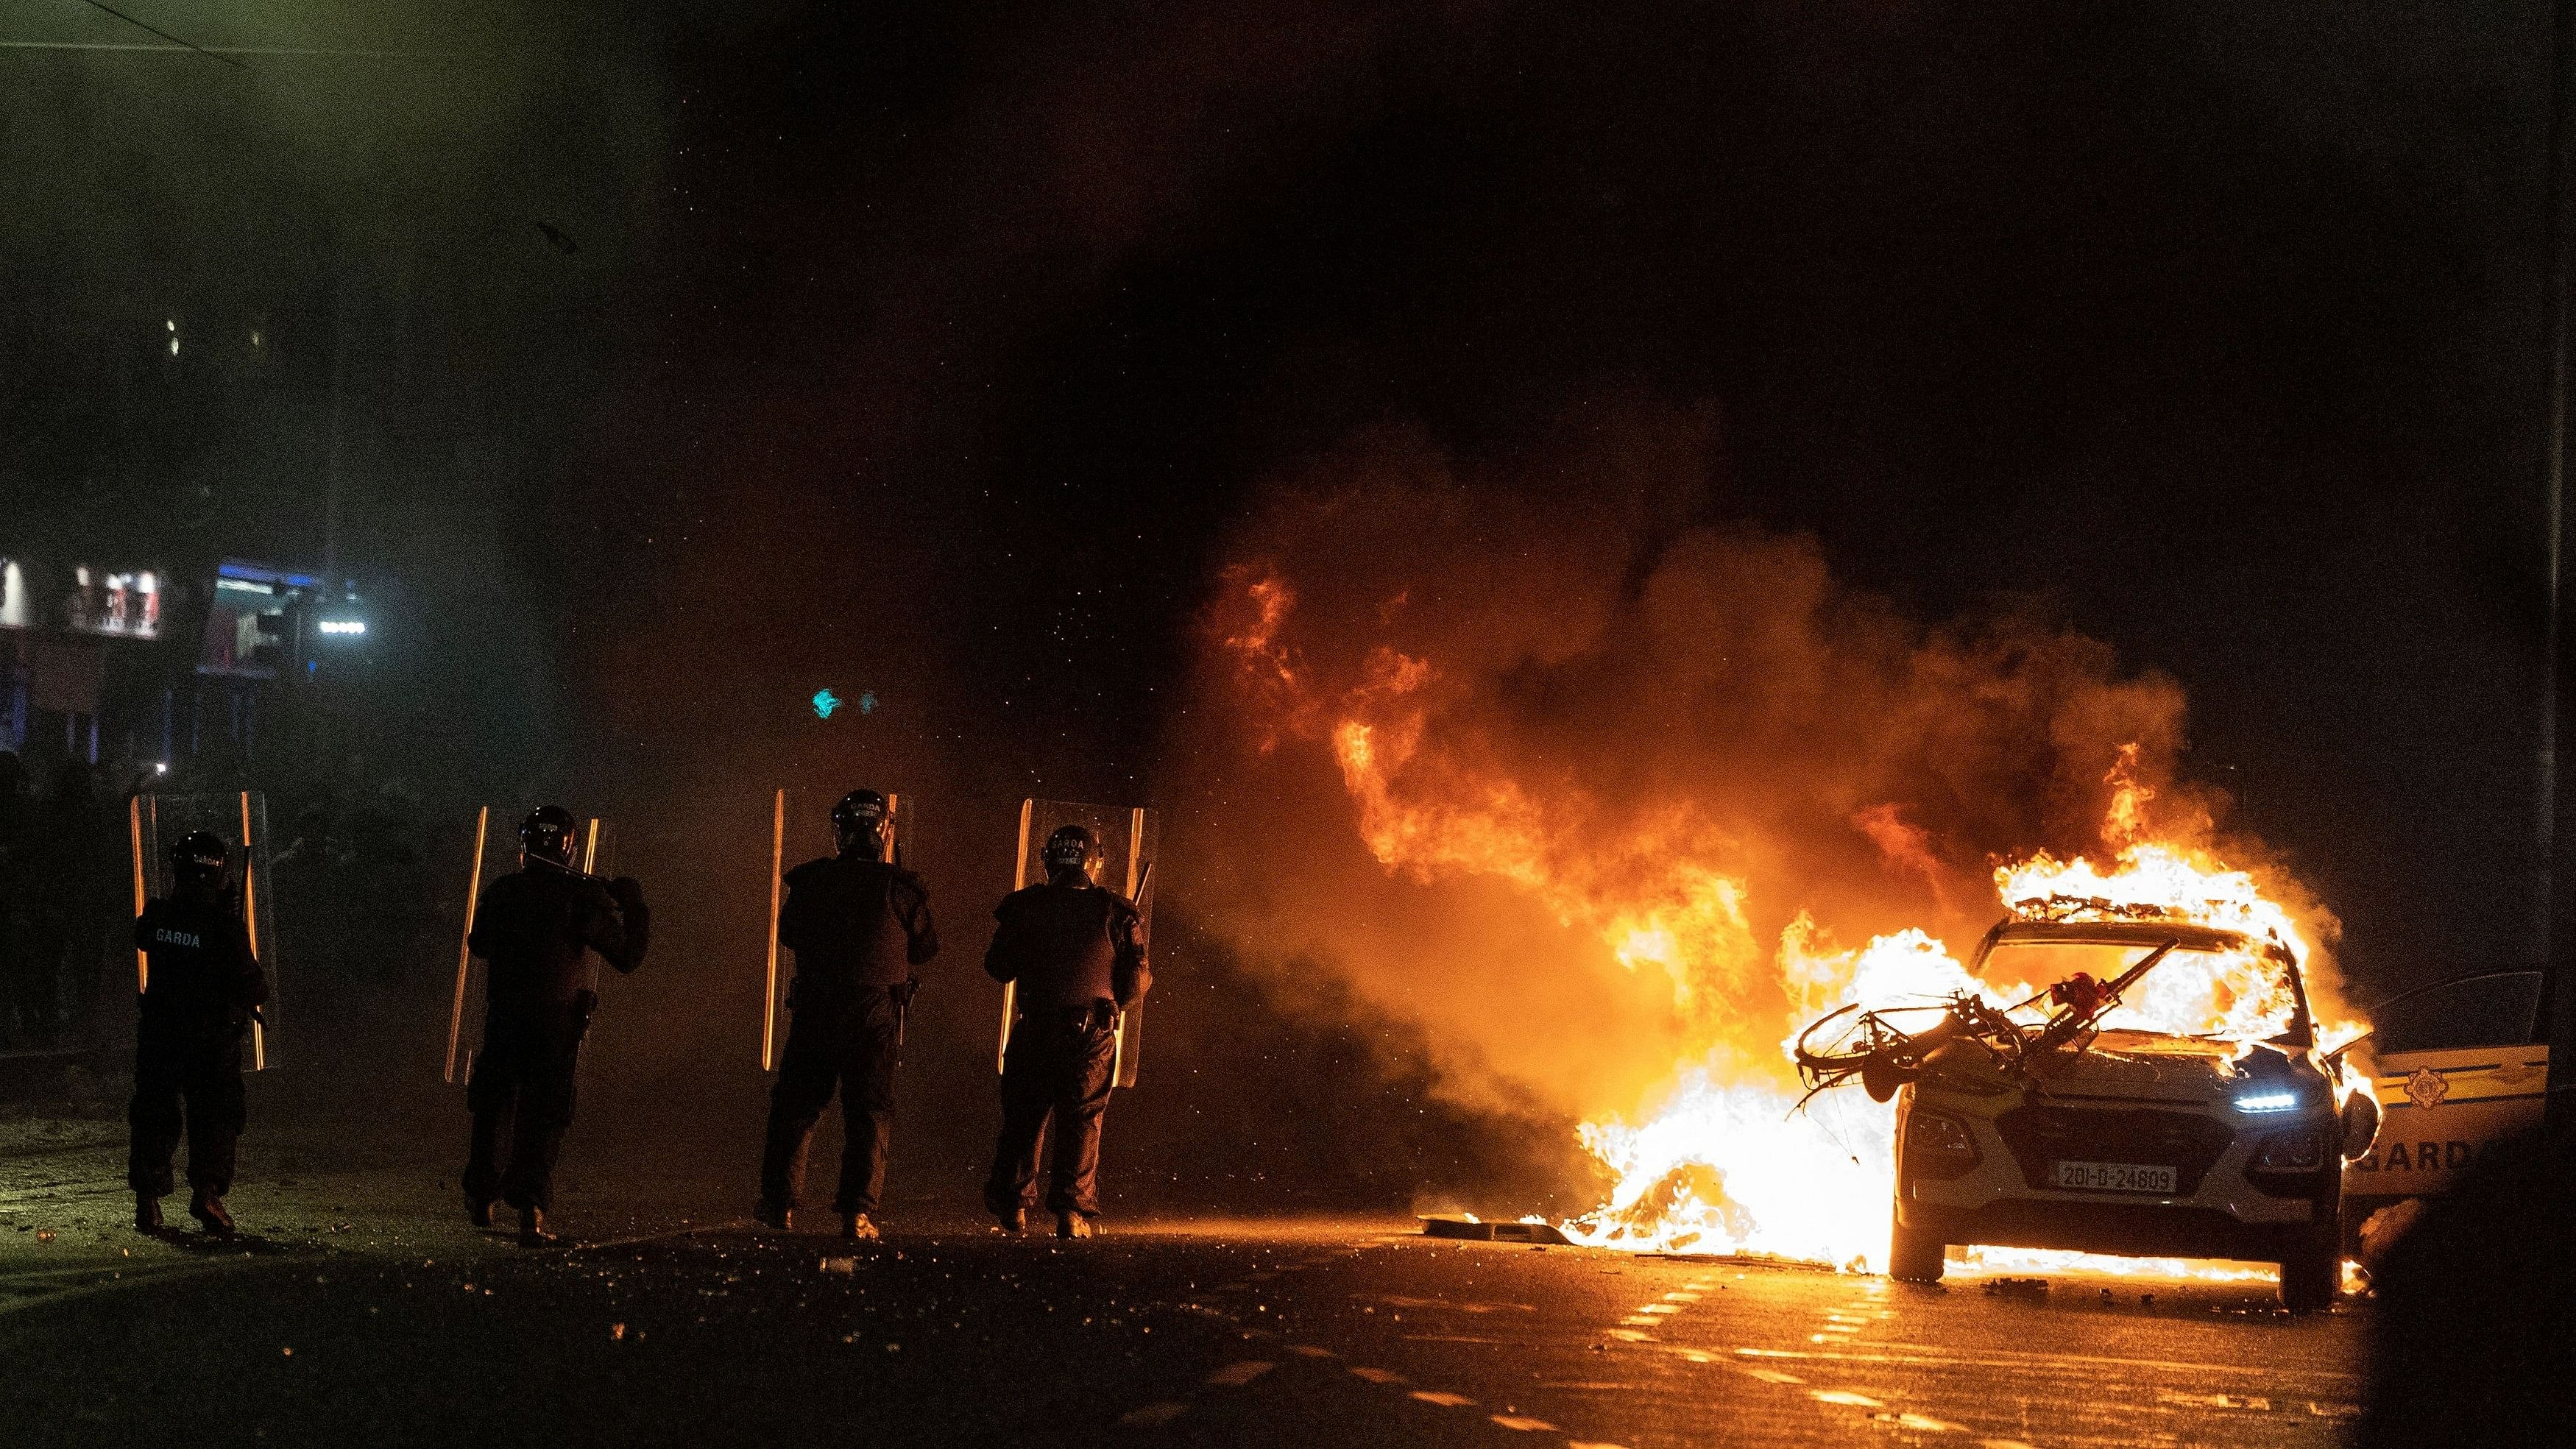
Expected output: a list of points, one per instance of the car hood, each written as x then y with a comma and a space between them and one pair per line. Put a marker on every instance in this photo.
2131, 1065
2142, 1065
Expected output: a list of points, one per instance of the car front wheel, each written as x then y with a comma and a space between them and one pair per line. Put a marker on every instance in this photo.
2312, 1274
1914, 1256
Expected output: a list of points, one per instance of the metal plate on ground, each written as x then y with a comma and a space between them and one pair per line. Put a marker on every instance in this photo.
1467, 1229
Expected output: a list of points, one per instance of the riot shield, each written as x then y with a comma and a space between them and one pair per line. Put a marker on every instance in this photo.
155, 823
496, 853
1126, 835
800, 829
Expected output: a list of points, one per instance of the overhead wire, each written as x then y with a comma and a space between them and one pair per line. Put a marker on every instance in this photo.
165, 35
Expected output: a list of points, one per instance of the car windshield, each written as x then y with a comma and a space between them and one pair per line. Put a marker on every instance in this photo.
2242, 995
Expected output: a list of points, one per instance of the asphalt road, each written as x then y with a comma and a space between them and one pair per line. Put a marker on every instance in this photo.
364, 1312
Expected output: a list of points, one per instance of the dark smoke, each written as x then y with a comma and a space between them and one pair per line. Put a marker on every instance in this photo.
1582, 701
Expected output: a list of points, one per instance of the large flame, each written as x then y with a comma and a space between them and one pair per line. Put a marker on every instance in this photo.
1728, 1160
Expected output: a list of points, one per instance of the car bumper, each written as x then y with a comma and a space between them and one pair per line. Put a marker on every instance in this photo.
2229, 1214
2131, 1229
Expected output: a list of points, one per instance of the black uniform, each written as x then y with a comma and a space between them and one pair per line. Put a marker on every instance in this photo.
858, 928
532, 928
201, 982
1078, 957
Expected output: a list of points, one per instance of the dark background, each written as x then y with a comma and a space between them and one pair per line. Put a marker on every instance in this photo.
929, 350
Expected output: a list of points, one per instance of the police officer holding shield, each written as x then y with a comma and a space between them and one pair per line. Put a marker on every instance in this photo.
532, 929
860, 926
1075, 950
201, 985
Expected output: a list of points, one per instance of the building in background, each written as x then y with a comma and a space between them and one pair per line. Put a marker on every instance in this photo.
134, 665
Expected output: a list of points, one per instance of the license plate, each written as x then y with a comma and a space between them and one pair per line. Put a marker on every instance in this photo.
2115, 1177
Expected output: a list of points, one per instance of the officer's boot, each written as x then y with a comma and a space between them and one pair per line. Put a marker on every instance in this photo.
774, 1215
859, 1228
147, 1213
532, 1228
208, 1210
478, 1210
1012, 1223
1075, 1225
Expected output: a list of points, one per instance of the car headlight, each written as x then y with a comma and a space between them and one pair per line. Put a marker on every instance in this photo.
2273, 1099
1938, 1132
2300, 1151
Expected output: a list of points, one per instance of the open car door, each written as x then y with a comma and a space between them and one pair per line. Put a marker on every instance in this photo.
2459, 1068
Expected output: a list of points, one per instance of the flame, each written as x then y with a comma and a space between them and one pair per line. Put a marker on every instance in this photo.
1729, 1161
2232, 996
1655, 898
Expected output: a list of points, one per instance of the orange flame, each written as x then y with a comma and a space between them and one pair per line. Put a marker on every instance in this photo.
1728, 1161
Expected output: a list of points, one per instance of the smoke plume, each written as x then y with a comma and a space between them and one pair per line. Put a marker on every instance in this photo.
1546, 760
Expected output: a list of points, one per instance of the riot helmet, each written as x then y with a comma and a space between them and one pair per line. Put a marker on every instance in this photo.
860, 822
1072, 850
198, 859
549, 833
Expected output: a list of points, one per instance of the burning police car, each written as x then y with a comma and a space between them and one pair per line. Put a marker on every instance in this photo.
2101, 1127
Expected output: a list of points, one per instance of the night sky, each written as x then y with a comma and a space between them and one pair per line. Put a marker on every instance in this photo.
933, 351
2213, 334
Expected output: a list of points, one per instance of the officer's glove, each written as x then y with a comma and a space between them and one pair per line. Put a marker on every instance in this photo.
627, 891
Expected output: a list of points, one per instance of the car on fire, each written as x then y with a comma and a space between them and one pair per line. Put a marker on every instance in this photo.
2079, 1132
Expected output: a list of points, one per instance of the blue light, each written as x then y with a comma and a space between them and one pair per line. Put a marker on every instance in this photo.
825, 701
2267, 1102
867, 701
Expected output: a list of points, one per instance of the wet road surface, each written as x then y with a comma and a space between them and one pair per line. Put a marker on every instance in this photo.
367, 1313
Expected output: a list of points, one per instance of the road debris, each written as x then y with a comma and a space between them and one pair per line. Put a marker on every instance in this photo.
1462, 1226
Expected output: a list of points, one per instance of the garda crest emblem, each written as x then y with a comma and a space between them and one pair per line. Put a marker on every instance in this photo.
2427, 1087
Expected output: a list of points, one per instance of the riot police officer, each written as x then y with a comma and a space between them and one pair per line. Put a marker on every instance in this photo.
859, 926
1075, 950
533, 928
201, 985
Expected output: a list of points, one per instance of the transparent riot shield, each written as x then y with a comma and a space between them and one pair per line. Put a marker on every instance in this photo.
1126, 835
496, 853
155, 823
800, 829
